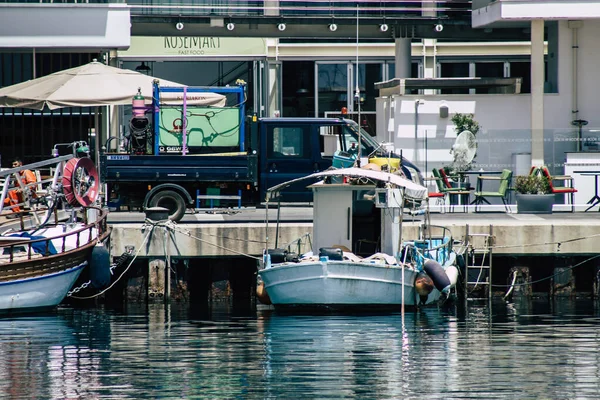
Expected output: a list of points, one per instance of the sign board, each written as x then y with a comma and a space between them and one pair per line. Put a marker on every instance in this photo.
193, 46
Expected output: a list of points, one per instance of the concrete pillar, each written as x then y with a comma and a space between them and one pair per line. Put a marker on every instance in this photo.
402, 57
563, 282
429, 62
596, 290
537, 92
156, 280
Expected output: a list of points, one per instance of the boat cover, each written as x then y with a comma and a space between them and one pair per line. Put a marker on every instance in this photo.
411, 189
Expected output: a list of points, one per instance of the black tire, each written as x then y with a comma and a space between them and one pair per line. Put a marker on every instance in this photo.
172, 201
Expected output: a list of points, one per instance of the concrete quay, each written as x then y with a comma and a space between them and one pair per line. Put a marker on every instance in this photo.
205, 235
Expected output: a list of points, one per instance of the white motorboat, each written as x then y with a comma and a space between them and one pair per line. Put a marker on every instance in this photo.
358, 257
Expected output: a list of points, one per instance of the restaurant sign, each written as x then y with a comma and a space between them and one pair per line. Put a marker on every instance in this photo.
194, 46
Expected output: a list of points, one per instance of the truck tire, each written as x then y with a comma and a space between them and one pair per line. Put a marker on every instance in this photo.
172, 201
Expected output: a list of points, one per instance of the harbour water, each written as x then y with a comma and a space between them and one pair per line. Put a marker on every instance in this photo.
530, 350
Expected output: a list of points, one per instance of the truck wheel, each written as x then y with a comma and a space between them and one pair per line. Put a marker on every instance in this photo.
172, 201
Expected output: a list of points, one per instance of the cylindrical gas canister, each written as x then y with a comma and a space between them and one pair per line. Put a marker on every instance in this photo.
138, 105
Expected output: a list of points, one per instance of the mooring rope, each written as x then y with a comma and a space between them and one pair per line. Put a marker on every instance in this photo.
558, 243
550, 276
120, 276
187, 233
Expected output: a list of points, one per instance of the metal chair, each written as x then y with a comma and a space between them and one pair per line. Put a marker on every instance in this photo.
502, 193
444, 186
566, 179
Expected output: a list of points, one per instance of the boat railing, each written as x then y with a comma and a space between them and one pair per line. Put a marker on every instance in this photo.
299, 245
9, 176
435, 242
92, 231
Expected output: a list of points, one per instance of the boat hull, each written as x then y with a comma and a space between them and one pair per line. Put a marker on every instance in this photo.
341, 284
38, 293
39, 266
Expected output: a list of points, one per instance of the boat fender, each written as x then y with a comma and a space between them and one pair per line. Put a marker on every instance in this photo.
99, 263
262, 295
438, 275
333, 253
452, 273
423, 286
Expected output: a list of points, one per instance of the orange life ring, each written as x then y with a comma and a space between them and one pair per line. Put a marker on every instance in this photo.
80, 182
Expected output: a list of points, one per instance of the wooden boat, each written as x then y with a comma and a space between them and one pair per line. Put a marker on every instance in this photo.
42, 254
358, 257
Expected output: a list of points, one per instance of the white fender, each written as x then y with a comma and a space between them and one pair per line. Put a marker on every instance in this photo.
452, 273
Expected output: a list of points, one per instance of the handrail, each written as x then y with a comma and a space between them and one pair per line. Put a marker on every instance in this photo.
100, 224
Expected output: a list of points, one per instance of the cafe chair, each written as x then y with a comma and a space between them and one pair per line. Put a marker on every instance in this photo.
440, 199
504, 181
444, 186
567, 182
440, 195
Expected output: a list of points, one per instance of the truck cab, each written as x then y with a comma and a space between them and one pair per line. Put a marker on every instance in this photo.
291, 148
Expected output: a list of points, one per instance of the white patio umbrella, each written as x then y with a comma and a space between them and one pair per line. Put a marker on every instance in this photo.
93, 84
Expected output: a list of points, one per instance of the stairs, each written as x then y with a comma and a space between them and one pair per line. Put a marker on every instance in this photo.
478, 265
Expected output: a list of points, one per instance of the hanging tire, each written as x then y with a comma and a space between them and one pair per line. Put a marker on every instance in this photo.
172, 201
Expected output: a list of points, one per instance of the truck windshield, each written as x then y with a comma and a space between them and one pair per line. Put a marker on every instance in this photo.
369, 145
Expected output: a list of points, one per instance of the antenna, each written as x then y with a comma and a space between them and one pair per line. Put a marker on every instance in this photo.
464, 150
357, 94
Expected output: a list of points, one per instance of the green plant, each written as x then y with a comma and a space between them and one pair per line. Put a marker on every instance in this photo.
532, 184
465, 122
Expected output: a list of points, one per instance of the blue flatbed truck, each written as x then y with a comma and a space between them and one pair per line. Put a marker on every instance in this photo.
221, 159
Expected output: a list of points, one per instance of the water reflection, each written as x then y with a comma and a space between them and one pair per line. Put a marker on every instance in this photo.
354, 355
43, 357
522, 350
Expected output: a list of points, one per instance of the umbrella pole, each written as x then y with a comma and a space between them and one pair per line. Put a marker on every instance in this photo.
97, 137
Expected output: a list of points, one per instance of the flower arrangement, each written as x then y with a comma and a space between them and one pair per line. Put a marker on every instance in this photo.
532, 184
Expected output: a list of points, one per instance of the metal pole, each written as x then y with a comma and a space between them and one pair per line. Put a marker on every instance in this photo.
357, 94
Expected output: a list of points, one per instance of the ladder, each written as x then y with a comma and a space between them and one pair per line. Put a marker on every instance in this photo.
478, 263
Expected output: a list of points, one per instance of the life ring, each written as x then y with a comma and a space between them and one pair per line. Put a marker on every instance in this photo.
80, 182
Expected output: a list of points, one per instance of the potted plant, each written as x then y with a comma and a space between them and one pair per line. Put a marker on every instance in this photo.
533, 194
465, 122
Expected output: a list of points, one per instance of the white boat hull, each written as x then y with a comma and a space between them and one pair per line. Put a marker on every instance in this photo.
38, 293
337, 284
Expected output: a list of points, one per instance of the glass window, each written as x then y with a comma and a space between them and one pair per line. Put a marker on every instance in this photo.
522, 69
333, 87
454, 70
488, 70
288, 142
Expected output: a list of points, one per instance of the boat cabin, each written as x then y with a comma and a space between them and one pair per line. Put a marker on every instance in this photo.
364, 218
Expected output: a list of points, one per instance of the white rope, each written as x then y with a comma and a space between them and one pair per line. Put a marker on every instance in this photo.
122, 274
512, 285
